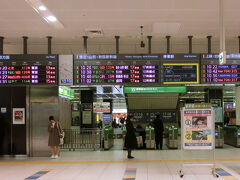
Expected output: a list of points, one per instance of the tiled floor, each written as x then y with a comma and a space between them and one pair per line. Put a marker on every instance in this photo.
111, 165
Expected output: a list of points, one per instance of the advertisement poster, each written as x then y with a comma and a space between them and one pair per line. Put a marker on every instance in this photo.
87, 117
197, 129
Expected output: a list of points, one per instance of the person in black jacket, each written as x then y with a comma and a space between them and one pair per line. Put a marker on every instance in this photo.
130, 139
158, 127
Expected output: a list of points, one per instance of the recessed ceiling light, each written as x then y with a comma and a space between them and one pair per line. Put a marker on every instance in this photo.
52, 18
42, 8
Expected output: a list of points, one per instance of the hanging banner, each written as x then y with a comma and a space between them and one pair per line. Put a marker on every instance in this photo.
197, 129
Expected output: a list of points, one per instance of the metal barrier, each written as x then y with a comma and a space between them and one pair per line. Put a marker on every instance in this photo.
82, 139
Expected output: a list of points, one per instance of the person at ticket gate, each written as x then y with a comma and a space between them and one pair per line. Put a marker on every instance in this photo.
55, 132
130, 139
158, 128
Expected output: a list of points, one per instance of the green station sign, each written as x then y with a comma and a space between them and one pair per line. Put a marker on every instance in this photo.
66, 92
170, 89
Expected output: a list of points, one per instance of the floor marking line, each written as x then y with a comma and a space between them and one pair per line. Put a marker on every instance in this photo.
110, 162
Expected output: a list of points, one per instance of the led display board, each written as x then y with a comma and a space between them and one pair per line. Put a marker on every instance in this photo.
180, 73
28, 69
180, 69
113, 69
212, 72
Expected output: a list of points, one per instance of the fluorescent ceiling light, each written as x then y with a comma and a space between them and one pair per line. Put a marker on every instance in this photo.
45, 13
52, 18
42, 8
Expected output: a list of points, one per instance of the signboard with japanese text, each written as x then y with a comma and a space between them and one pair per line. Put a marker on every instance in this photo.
103, 107
197, 129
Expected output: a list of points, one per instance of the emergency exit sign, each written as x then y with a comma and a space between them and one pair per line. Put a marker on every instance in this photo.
172, 89
222, 58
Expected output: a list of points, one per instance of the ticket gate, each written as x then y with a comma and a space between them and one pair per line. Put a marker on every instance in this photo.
108, 138
150, 138
232, 135
171, 135
219, 137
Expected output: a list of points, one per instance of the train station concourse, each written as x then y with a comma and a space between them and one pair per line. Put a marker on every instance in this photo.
119, 90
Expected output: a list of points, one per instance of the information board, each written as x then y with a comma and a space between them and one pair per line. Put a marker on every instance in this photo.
180, 73
122, 70
145, 116
212, 72
101, 107
197, 129
28, 69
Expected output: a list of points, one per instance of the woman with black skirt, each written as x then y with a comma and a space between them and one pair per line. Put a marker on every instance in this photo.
130, 139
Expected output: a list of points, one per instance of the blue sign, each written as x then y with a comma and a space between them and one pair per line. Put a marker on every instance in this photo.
95, 56
50, 57
66, 81
107, 117
5, 57
168, 56
216, 56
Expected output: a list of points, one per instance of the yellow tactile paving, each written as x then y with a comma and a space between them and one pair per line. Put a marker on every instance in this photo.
110, 162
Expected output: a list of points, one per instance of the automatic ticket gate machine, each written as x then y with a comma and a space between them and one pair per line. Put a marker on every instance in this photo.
232, 135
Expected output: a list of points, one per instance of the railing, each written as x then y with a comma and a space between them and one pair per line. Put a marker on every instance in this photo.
90, 139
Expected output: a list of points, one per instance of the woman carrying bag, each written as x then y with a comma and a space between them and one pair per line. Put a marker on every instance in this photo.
55, 134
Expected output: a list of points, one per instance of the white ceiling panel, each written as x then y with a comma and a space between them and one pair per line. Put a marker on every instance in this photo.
178, 18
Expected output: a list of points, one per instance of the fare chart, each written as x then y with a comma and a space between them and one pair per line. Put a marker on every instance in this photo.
28, 69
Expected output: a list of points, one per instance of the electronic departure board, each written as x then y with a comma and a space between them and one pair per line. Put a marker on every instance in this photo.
180, 73
212, 72
121, 71
28, 69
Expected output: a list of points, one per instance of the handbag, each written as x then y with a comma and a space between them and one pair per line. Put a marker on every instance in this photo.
61, 135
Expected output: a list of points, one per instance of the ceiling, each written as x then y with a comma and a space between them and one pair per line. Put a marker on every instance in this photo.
177, 18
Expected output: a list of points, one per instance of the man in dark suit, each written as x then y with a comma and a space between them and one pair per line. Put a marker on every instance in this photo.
158, 128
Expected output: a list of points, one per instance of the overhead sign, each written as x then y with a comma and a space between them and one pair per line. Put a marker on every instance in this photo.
180, 73
28, 70
135, 90
222, 58
18, 116
198, 129
103, 107
65, 91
